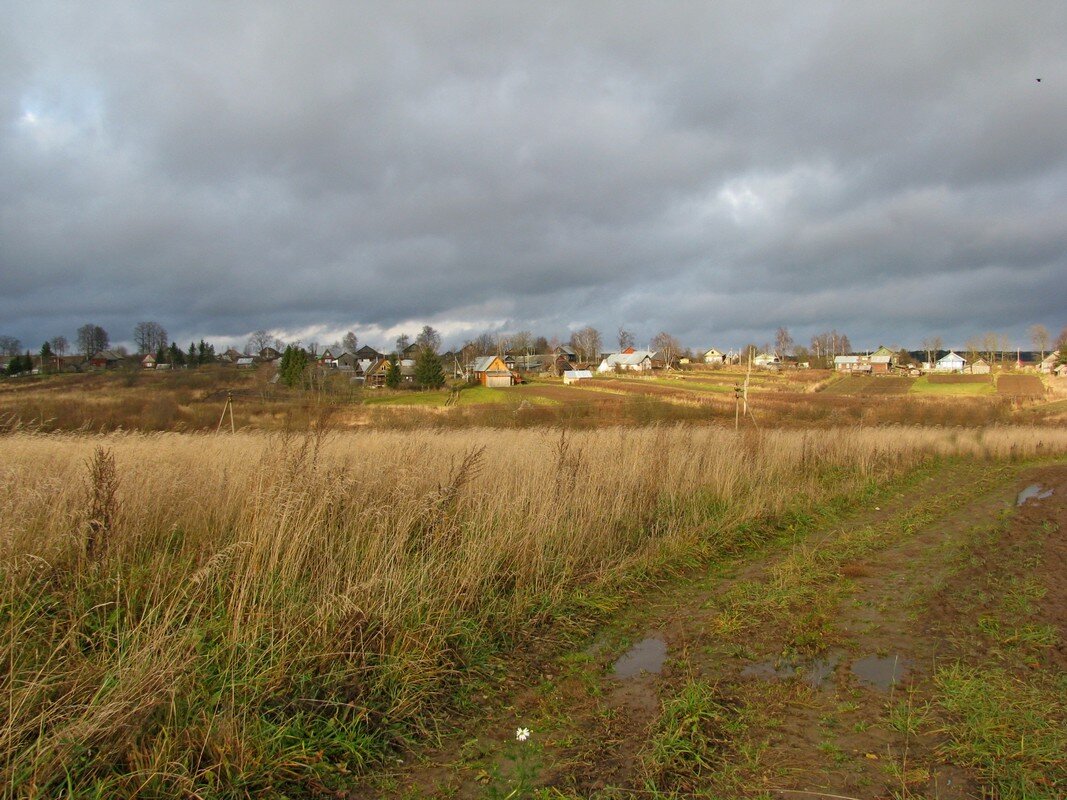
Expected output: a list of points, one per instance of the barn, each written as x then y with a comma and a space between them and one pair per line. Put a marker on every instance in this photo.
491, 371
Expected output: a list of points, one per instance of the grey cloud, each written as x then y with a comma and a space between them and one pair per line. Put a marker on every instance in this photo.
711, 170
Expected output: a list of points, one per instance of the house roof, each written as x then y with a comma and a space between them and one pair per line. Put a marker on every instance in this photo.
628, 359
483, 363
577, 373
951, 356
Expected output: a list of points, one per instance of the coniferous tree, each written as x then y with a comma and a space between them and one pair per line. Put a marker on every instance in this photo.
428, 371
190, 357
47, 357
392, 373
293, 366
177, 357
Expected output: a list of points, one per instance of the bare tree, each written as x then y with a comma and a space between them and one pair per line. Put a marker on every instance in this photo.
522, 342
1061, 345
150, 337
92, 339
403, 341
428, 339
258, 341
484, 344
587, 342
932, 346
1040, 336
10, 346
625, 339
783, 342
349, 342
667, 347
60, 345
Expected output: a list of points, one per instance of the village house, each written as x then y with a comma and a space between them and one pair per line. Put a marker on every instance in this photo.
714, 357
491, 371
629, 360
767, 361
105, 359
979, 367
148, 362
953, 362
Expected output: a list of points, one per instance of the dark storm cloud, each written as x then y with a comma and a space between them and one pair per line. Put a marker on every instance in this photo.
892, 170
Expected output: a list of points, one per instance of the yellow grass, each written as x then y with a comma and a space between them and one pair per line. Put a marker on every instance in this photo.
264, 612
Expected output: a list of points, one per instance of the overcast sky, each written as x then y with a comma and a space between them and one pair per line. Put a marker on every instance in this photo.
892, 170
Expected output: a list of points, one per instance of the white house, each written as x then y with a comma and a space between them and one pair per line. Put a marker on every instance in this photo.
953, 362
715, 357
636, 361
766, 361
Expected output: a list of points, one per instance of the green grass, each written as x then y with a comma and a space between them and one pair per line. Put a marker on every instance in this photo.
695, 742
483, 395
413, 398
924, 386
1012, 730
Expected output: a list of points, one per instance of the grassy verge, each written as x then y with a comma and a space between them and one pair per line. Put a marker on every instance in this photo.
247, 615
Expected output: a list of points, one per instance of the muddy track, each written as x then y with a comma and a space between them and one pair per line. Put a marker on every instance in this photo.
823, 641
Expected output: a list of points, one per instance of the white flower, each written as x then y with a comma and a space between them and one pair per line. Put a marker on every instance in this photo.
522, 734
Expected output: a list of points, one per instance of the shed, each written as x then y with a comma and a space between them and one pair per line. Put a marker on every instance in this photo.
577, 375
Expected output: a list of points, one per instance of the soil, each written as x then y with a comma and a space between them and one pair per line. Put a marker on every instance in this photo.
823, 721
1020, 386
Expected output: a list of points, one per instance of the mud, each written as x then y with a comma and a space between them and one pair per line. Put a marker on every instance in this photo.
826, 733
881, 672
647, 655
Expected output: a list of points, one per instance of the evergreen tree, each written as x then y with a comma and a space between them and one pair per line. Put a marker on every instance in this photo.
190, 357
293, 366
428, 371
392, 373
161, 355
47, 357
175, 354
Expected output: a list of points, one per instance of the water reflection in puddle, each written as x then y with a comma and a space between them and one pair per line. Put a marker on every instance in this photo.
647, 655
1035, 491
818, 672
879, 672
814, 673
769, 670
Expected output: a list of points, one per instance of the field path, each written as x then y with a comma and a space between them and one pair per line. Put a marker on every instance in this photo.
806, 669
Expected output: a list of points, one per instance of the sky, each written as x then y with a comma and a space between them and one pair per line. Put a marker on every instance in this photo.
893, 171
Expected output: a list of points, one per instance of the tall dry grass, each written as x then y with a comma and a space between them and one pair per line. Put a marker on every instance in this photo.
241, 615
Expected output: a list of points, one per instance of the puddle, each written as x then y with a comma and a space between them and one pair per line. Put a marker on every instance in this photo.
647, 655
1035, 491
814, 673
769, 670
819, 671
881, 673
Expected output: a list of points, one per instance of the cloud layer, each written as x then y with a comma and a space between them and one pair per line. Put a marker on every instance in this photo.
714, 170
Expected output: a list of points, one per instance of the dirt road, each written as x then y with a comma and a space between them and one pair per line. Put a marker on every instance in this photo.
913, 648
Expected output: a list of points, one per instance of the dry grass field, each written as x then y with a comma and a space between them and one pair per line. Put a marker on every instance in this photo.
268, 615
194, 401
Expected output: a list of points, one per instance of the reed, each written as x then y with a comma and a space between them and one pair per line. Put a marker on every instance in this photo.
264, 614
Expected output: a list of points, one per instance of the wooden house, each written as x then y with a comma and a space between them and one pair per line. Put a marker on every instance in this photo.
714, 357
491, 371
